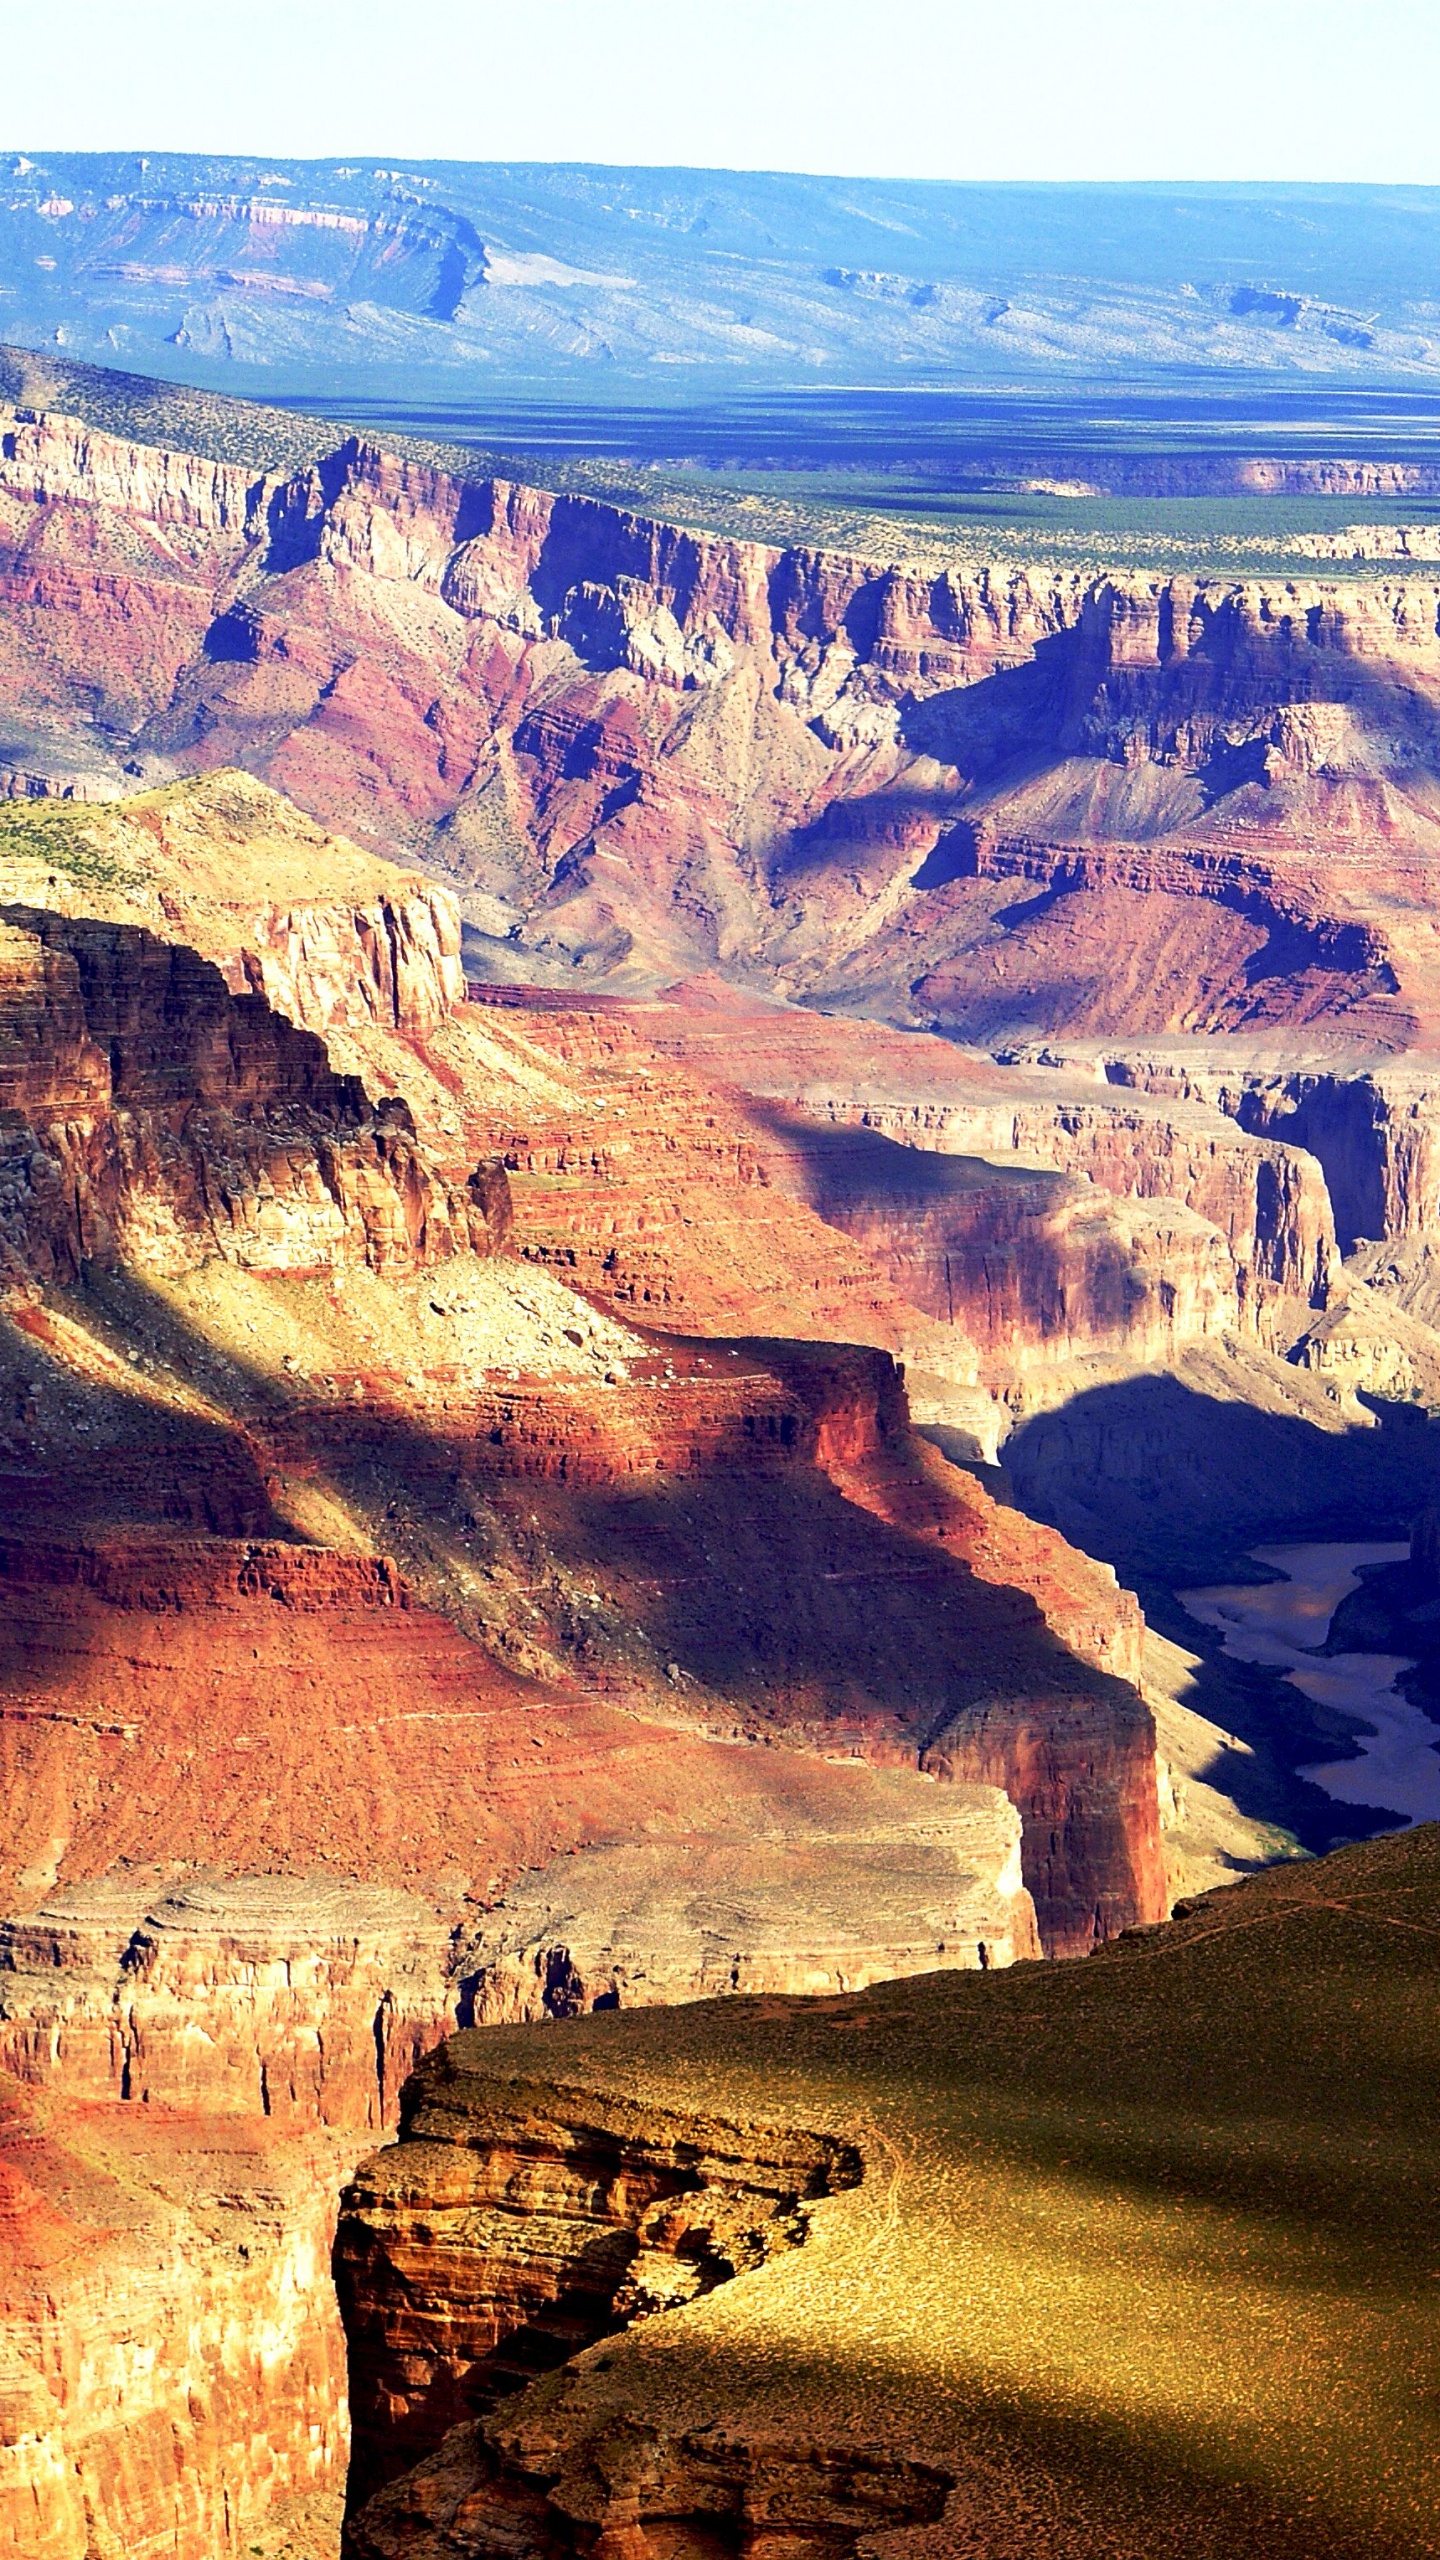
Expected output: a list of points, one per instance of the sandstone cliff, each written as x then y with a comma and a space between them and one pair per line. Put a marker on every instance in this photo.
259, 1350
154, 1117
173, 2363
992, 798
421, 1464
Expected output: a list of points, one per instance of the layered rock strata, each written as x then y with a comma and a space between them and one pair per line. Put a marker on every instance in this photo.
1261, 1186
679, 1919
173, 2363
998, 1268
276, 1996
1371, 1124
624, 1661
617, 2215
151, 1116
918, 1632
995, 798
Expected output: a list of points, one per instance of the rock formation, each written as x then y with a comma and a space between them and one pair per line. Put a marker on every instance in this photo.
576, 2315
467, 1553
173, 2362
619, 2215
452, 276
277, 1996
637, 749
395, 1634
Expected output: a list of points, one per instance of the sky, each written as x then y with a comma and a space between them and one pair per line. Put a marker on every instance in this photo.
1309, 89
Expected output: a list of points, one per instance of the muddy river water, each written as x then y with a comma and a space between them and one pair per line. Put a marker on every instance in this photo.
1284, 1624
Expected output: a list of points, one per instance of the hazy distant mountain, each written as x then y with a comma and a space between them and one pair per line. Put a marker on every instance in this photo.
682, 280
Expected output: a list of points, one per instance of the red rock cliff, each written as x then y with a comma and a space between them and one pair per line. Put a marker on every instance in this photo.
638, 747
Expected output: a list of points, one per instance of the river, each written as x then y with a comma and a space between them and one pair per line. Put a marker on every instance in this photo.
1284, 1624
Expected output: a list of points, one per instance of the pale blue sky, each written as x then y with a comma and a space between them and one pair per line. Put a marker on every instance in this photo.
913, 88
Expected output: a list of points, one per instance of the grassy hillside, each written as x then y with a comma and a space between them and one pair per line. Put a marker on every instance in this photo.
1146, 2253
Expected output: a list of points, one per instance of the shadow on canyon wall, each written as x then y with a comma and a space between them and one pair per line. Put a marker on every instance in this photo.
741, 1573
1174, 1486
648, 1560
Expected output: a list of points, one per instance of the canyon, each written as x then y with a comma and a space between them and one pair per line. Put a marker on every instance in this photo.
643, 1181
644, 1648
1000, 802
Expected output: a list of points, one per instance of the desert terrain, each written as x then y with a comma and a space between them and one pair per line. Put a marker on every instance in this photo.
674, 1210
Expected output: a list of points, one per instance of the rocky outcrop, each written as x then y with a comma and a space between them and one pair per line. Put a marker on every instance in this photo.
1022, 2142
173, 2363
1034, 1268
756, 1541
327, 935
280, 1996
524, 2230
653, 1922
1266, 1195
634, 748
195, 1130
1017, 1220
153, 1116
337, 1543
814, 2496
1369, 1123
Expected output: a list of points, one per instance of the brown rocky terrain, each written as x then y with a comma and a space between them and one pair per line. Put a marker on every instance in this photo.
990, 799
173, 2365
467, 1550
456, 1565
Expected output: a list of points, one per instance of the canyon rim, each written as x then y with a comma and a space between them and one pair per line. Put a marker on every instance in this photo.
719, 1368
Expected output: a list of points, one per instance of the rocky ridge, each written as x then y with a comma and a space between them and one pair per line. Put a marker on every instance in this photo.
347, 1456
330, 1517
994, 799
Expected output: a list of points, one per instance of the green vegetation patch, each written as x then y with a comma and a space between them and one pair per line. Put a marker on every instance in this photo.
67, 838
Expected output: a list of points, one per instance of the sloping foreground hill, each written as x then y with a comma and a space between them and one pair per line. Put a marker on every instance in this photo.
1130, 2260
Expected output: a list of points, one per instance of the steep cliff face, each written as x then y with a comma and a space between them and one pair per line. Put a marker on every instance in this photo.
1264, 1191
531, 2234
685, 1919
154, 1117
1370, 1124
276, 1996
173, 2363
326, 934
971, 1270
628, 1566
339, 1541
637, 749
1016, 1220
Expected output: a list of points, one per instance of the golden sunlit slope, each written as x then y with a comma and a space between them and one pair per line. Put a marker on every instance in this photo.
1142, 2266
